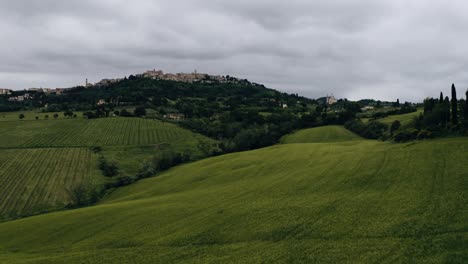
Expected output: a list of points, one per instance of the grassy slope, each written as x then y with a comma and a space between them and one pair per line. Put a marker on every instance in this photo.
40, 159
405, 119
320, 134
356, 201
32, 180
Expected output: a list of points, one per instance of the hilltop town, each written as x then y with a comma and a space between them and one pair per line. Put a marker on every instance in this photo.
178, 77
18, 96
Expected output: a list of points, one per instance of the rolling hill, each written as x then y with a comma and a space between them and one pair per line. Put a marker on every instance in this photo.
352, 201
405, 119
42, 160
320, 135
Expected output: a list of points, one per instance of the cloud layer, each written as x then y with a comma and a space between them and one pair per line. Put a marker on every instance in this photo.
351, 48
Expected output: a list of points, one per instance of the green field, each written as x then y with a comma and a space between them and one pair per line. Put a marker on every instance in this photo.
346, 202
405, 119
32, 180
41, 160
320, 135
115, 131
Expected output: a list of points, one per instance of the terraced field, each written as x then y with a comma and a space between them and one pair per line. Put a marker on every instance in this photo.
82, 132
320, 134
347, 202
32, 180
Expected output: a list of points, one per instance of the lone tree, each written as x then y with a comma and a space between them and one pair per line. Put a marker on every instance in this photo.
395, 126
21, 116
68, 113
140, 111
454, 105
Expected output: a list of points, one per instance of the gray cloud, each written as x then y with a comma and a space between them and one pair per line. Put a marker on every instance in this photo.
351, 48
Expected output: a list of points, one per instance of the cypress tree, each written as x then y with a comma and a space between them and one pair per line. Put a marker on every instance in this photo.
441, 98
454, 105
447, 109
466, 105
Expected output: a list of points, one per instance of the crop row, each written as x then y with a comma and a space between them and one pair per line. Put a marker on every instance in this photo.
81, 132
37, 179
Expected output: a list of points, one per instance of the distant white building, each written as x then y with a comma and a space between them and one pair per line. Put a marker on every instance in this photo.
331, 100
4, 91
367, 108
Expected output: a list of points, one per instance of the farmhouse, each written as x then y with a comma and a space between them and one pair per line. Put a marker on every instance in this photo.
367, 108
175, 116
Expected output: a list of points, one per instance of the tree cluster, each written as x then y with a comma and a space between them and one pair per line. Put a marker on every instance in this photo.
444, 115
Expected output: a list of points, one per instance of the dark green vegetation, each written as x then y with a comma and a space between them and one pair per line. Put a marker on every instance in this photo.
353, 201
444, 116
437, 118
51, 164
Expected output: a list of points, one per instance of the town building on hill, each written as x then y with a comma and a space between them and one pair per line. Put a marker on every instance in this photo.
331, 100
58, 91
4, 91
43, 90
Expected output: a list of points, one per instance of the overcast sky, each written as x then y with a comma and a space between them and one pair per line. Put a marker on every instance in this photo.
350, 48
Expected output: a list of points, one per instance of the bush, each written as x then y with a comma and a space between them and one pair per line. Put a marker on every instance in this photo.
68, 113
371, 130
423, 134
109, 169
90, 115
406, 135
395, 126
140, 111
125, 113
146, 172
169, 159
123, 180
96, 149
83, 194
